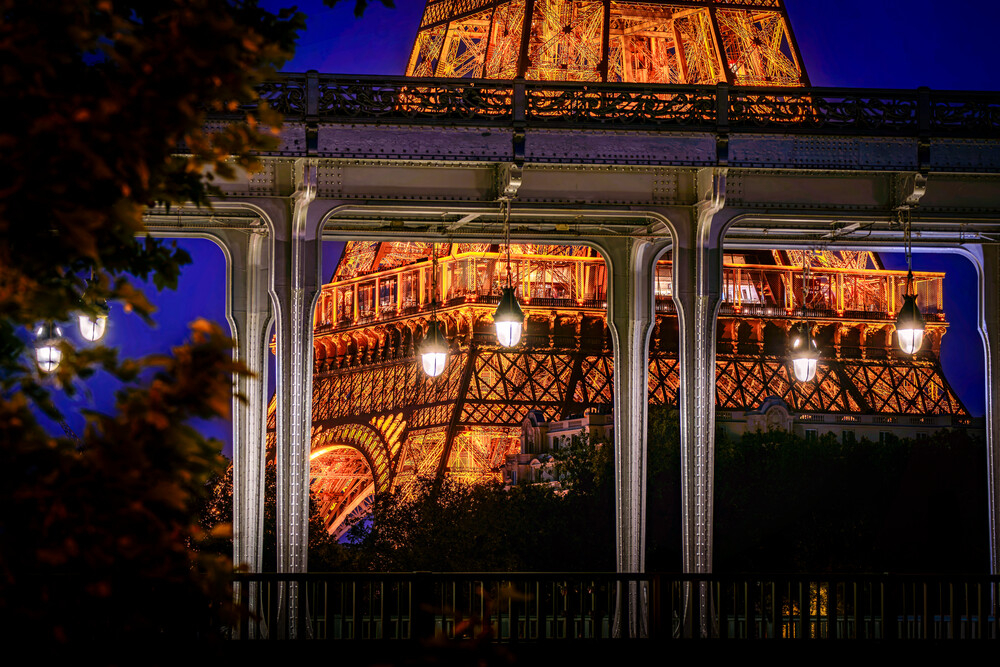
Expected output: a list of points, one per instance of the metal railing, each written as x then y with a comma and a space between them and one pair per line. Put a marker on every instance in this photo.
720, 108
544, 607
346, 319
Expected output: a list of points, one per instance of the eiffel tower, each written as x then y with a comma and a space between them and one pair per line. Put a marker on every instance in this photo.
380, 424
741, 42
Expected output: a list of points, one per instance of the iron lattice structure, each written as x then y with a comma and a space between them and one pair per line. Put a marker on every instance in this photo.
745, 42
379, 423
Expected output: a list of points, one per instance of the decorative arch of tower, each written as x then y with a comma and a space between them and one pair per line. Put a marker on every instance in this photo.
743, 42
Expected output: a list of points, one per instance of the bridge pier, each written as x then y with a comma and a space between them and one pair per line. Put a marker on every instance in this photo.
630, 317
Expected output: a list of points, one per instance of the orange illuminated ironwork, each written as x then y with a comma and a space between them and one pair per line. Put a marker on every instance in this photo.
379, 423
743, 42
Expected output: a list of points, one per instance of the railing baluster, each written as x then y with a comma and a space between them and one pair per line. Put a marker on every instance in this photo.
951, 610
557, 607
748, 632
980, 625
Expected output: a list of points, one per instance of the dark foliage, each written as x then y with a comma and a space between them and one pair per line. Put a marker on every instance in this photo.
95, 540
325, 553
105, 110
785, 503
484, 527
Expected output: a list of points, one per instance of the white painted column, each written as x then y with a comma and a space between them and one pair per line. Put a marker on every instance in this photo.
630, 308
249, 314
295, 258
990, 328
697, 275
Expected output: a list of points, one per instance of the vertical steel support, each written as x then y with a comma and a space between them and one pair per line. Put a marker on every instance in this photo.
720, 47
989, 305
697, 291
522, 58
606, 42
630, 308
295, 258
249, 314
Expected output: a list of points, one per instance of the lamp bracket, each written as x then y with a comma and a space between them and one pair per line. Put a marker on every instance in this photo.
509, 178
911, 188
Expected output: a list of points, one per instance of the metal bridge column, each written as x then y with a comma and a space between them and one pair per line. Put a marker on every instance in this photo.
249, 316
697, 293
990, 318
295, 258
630, 307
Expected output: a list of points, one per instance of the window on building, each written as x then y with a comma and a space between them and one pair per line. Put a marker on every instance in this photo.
847, 436
811, 435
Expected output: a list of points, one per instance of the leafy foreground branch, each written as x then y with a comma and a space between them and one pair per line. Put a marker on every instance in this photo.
106, 110
97, 541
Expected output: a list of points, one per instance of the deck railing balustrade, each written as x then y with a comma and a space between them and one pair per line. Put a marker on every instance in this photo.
545, 607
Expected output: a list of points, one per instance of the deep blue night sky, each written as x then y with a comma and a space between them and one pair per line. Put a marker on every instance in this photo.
886, 44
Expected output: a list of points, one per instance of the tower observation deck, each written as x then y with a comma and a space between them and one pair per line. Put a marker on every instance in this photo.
379, 423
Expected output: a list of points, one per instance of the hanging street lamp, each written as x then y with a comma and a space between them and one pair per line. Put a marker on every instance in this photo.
910, 325
92, 327
434, 348
508, 317
47, 352
803, 350
93, 320
909, 322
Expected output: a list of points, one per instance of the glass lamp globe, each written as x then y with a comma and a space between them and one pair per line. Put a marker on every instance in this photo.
804, 353
47, 352
92, 327
910, 325
434, 350
509, 318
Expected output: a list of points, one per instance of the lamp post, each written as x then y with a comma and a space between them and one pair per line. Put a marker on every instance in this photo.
434, 348
508, 317
909, 321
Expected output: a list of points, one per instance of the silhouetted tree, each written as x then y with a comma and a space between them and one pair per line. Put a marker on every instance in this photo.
95, 540
105, 114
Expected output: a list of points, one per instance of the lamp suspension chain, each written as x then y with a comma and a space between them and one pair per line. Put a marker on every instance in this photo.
804, 352
505, 204
806, 278
904, 217
910, 321
434, 271
508, 317
434, 348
